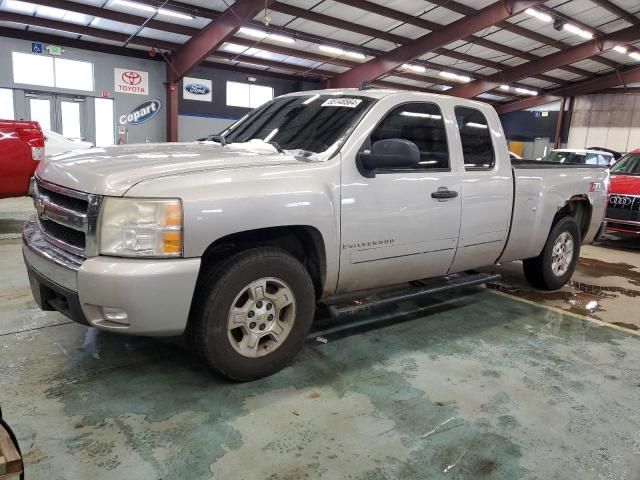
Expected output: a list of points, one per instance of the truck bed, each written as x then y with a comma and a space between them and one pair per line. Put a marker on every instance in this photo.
541, 164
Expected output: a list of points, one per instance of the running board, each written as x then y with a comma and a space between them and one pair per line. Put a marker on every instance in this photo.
357, 302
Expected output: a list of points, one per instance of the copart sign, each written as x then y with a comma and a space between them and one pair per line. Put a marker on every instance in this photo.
135, 82
142, 113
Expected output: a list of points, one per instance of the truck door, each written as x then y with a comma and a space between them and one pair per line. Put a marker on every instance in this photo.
487, 189
392, 229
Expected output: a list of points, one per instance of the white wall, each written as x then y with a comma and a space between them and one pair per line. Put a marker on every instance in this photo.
103, 64
610, 121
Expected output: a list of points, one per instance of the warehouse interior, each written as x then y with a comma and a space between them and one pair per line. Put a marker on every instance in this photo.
452, 355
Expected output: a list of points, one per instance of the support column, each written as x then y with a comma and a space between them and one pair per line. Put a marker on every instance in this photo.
560, 122
172, 106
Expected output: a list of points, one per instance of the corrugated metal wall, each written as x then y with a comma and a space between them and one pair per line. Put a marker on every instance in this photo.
611, 121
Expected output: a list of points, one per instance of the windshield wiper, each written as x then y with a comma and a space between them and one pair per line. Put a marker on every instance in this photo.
277, 146
214, 138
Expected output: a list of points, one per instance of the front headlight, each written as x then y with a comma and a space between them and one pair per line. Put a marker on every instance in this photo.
141, 227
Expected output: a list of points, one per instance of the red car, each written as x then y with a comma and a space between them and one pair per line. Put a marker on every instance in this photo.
623, 210
21, 148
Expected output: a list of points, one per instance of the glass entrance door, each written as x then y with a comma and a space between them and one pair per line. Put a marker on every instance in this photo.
71, 117
41, 109
62, 114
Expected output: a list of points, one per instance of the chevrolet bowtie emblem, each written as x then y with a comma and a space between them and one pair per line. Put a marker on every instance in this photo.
40, 208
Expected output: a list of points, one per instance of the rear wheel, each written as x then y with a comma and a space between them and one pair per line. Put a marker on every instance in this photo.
253, 314
555, 265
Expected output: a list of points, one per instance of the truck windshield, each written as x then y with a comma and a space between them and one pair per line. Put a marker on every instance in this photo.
628, 165
311, 125
565, 157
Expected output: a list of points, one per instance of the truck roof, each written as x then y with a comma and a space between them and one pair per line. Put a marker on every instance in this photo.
379, 93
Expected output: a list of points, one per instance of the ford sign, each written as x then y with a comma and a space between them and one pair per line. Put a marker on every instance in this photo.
197, 89
142, 113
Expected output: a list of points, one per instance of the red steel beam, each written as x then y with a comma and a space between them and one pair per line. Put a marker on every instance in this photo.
383, 11
214, 35
616, 10
389, 61
328, 20
172, 91
82, 30
560, 123
544, 64
518, 30
190, 31
579, 88
584, 26
131, 19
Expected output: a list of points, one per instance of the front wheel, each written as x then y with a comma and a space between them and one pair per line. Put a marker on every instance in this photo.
253, 315
555, 265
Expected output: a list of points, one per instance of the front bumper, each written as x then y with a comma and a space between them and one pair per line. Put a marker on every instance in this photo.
154, 295
623, 226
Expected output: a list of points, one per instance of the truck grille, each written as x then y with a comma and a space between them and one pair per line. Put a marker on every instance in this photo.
66, 217
623, 207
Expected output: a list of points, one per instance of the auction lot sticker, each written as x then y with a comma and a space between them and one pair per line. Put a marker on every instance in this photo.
342, 102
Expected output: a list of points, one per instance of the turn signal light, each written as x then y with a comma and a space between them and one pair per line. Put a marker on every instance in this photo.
172, 243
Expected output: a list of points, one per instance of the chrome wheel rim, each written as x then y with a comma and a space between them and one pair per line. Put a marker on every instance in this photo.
562, 254
261, 317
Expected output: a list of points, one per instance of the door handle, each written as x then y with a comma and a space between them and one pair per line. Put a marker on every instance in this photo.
443, 193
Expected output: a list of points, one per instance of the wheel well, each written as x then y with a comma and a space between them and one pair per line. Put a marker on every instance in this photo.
303, 242
579, 208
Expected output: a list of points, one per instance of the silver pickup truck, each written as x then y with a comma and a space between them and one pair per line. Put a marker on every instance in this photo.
235, 239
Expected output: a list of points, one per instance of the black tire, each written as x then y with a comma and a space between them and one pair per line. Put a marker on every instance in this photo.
538, 270
207, 332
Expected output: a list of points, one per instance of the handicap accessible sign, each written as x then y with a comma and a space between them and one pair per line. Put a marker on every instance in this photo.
36, 47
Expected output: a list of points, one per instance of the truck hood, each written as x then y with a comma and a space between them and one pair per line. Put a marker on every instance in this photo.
113, 170
625, 184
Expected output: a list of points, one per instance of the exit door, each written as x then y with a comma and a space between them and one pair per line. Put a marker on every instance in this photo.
65, 115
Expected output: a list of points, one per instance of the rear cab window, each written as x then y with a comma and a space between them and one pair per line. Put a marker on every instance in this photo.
475, 136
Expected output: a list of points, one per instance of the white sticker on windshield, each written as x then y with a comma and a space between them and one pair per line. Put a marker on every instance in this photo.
342, 102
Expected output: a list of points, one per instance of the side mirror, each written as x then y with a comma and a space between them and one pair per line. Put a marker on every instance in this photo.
390, 153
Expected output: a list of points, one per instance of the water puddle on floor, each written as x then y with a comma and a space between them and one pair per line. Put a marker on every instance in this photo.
576, 297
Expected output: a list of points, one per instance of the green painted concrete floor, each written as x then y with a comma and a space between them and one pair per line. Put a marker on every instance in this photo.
470, 385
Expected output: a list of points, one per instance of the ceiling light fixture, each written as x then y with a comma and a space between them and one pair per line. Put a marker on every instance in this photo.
339, 52
456, 77
139, 6
538, 14
526, 91
620, 49
414, 68
150, 9
171, 13
569, 27
252, 32
506, 88
635, 55
281, 38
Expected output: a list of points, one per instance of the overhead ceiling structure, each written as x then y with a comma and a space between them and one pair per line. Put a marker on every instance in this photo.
508, 52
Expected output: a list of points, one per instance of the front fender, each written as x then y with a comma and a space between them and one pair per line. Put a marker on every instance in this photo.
222, 203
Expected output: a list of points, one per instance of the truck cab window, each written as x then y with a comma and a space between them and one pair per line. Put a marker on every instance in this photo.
475, 136
422, 124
